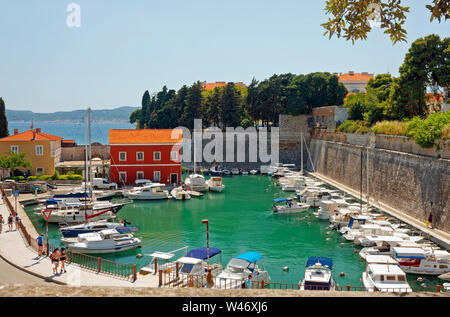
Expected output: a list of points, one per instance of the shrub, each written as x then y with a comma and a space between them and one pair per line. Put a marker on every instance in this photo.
426, 131
32, 178
390, 128
75, 177
350, 126
63, 177
446, 132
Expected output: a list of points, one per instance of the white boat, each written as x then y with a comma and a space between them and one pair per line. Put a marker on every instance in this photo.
341, 217
359, 236
422, 261
318, 275
215, 184
105, 241
253, 172
95, 226
235, 171
287, 206
78, 214
293, 184
326, 209
196, 182
148, 192
238, 270
244, 172
385, 245
178, 193
383, 274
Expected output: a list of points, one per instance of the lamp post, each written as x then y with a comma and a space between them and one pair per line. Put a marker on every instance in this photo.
207, 238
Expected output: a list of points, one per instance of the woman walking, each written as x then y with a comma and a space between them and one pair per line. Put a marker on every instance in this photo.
63, 257
55, 260
10, 222
1, 223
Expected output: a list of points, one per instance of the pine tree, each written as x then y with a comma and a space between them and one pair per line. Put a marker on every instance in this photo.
3, 121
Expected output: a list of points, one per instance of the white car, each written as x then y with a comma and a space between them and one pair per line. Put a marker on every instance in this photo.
103, 183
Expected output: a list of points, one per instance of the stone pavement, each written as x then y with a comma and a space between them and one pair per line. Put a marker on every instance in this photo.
16, 252
438, 236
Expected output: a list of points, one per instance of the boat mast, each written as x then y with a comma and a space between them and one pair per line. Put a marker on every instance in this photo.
90, 146
301, 152
367, 178
85, 166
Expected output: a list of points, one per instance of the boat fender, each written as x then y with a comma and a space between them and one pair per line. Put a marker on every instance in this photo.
342, 273
419, 279
356, 251
342, 244
328, 232
286, 269
139, 255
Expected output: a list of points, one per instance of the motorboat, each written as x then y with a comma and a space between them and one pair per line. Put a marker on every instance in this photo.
384, 274
358, 236
160, 262
67, 212
238, 270
385, 245
204, 172
215, 172
326, 209
194, 265
226, 172
105, 241
268, 169
178, 193
293, 184
355, 222
318, 275
196, 182
288, 206
235, 171
95, 226
422, 261
142, 182
341, 217
148, 192
215, 184
244, 172
253, 172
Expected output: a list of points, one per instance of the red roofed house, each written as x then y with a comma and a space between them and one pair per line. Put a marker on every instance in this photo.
355, 82
211, 86
145, 154
43, 150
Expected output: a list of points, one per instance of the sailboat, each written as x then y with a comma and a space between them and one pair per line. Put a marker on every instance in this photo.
196, 182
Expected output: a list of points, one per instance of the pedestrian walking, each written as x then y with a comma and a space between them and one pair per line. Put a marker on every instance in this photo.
10, 222
1, 223
55, 260
429, 221
63, 257
17, 221
40, 243
209, 279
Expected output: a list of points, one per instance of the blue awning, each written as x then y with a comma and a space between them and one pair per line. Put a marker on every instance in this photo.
279, 200
250, 256
202, 253
322, 260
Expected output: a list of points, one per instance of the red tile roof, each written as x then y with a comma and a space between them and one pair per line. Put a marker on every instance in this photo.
348, 77
433, 98
144, 136
31, 135
210, 86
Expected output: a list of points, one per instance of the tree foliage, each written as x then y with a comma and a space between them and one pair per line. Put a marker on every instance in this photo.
354, 19
3, 121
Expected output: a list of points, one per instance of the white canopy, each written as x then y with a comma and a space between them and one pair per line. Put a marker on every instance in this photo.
188, 260
380, 259
162, 255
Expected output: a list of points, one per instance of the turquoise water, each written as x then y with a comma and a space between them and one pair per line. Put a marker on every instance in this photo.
240, 220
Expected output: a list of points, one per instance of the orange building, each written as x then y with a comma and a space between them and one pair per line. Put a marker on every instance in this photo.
211, 86
43, 150
354, 82
153, 154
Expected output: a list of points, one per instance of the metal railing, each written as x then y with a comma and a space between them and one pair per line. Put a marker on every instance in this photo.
96, 264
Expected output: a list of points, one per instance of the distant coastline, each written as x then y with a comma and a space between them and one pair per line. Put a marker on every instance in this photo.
120, 114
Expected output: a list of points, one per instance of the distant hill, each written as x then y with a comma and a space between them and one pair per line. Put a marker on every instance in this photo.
117, 114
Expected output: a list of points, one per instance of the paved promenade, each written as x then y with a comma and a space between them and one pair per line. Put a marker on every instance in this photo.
438, 236
15, 251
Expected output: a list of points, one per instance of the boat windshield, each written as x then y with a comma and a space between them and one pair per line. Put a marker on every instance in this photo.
236, 265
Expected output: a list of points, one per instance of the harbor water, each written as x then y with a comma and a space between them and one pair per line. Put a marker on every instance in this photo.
240, 220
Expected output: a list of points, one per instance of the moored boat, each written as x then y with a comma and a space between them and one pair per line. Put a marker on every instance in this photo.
178, 193
196, 182
95, 226
318, 275
383, 274
148, 192
288, 206
422, 261
215, 184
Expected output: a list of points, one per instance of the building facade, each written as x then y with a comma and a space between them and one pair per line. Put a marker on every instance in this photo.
145, 154
354, 82
43, 150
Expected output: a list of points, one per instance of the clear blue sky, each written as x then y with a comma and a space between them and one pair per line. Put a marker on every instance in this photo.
126, 47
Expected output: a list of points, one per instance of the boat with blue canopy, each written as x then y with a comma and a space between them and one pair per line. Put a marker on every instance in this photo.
318, 274
238, 270
94, 226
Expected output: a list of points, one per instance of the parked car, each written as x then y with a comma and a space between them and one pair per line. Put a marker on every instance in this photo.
103, 183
